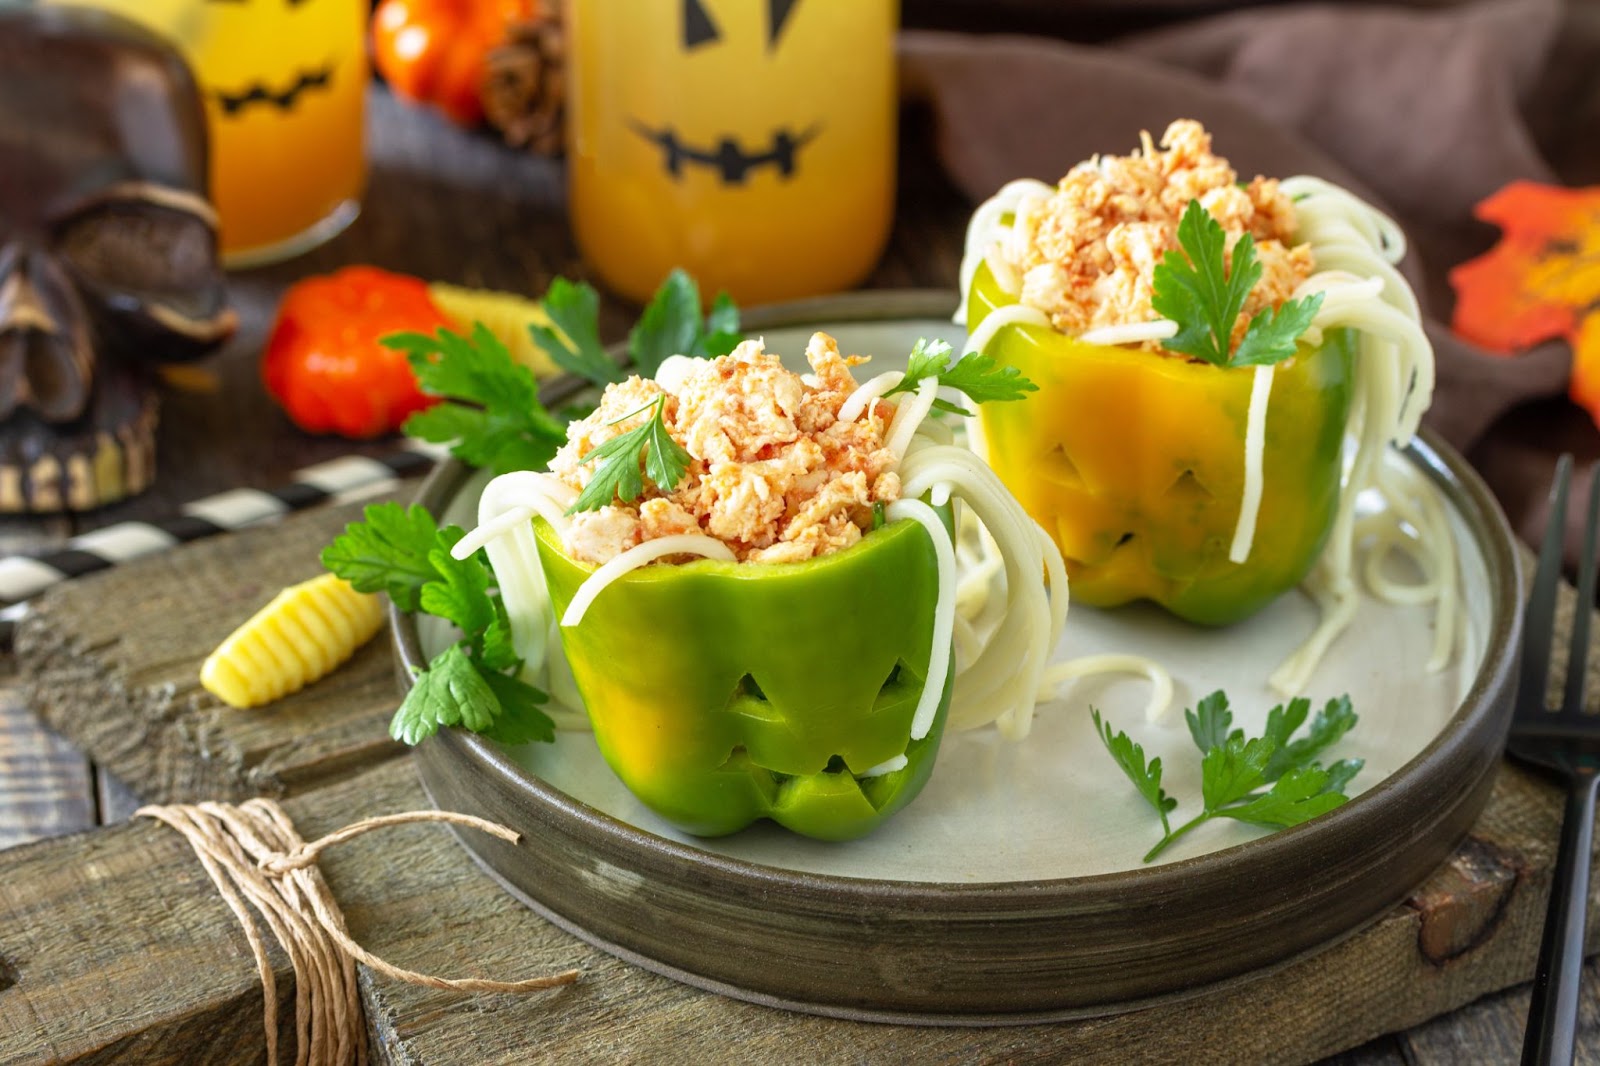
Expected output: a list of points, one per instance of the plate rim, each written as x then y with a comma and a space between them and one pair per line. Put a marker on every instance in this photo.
1505, 582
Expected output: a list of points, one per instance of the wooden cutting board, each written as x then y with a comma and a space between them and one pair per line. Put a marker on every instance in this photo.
114, 946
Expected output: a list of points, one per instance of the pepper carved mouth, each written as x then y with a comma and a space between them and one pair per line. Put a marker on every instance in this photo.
733, 163
283, 100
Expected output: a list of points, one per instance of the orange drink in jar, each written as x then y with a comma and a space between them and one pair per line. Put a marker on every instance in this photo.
751, 142
285, 89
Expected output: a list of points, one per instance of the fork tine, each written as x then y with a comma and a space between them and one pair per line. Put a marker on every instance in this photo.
1578, 659
1540, 615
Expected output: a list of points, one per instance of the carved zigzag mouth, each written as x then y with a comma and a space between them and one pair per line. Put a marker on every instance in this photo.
283, 100
732, 162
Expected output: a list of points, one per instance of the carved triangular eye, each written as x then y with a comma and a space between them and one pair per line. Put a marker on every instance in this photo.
698, 29
778, 12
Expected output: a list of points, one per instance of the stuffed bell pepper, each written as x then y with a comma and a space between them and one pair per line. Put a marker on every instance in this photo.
1204, 347
753, 577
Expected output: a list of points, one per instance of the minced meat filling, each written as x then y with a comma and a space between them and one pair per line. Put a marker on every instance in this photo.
1085, 255
775, 474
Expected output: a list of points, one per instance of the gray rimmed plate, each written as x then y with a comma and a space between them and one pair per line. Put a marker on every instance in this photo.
1012, 890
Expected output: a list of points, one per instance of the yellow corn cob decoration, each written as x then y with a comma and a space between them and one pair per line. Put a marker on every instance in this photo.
504, 314
303, 634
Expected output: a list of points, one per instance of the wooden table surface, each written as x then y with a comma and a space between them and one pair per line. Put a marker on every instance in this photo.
456, 207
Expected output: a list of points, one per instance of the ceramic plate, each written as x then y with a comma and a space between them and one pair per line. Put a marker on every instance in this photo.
1013, 887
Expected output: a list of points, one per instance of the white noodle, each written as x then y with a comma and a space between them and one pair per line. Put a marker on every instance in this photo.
981, 230
888, 766
637, 556
867, 393
999, 318
1131, 332
908, 416
675, 370
1255, 447
514, 555
1001, 683
1089, 665
944, 611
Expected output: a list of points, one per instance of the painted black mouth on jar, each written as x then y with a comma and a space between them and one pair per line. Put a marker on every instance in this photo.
733, 163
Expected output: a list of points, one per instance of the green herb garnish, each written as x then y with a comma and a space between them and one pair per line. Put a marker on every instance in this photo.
1196, 289
473, 682
1273, 780
670, 325
492, 416
981, 378
648, 446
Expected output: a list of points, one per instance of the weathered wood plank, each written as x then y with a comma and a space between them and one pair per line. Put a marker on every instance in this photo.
119, 950
112, 660
45, 785
114, 801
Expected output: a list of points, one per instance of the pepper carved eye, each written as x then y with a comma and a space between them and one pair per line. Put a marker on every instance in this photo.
698, 29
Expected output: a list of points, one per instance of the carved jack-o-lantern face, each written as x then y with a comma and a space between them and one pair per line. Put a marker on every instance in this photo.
283, 83
750, 141
108, 258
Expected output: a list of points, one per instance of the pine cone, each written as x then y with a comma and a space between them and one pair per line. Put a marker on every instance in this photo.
525, 84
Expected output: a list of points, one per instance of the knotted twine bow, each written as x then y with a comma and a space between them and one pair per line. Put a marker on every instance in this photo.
253, 853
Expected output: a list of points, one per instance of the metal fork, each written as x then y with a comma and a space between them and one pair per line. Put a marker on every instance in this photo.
1567, 742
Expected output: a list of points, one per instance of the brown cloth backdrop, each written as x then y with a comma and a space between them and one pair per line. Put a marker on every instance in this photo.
1430, 107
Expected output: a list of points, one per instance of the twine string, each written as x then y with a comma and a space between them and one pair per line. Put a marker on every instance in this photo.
254, 855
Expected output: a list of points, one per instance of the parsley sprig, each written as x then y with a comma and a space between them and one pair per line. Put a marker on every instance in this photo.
1196, 289
670, 325
491, 415
473, 683
648, 445
1272, 780
981, 378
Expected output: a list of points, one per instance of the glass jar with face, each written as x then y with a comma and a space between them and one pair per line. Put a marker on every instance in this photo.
751, 142
284, 83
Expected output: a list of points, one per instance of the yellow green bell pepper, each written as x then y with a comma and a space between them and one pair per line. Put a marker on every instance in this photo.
723, 693
1133, 461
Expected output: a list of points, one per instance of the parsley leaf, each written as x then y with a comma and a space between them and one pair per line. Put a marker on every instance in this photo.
1236, 771
388, 552
460, 593
404, 553
1298, 796
671, 326
1210, 722
450, 691
1145, 778
491, 416
618, 477
981, 378
1196, 288
574, 345
1271, 335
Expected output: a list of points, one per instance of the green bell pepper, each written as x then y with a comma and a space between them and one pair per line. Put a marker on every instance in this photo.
1134, 463
723, 693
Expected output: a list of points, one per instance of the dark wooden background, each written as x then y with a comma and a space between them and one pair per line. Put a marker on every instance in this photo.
453, 206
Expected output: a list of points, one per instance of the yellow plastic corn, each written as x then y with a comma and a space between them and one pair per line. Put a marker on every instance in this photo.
504, 314
306, 632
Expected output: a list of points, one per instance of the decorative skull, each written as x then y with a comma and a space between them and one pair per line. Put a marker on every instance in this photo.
108, 252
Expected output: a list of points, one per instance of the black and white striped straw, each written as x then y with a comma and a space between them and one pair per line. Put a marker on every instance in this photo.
348, 477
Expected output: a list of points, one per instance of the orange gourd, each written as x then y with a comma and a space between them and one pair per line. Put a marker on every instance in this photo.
433, 51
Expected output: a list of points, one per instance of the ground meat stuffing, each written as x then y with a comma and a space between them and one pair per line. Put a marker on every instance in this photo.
775, 474
1086, 254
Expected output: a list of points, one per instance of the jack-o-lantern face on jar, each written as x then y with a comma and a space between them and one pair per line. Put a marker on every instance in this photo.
748, 141
108, 252
284, 83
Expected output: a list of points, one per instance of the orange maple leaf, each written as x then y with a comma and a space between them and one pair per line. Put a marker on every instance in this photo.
1540, 282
